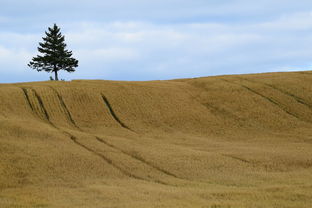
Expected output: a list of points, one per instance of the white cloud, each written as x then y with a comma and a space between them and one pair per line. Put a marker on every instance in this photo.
142, 50
14, 67
107, 55
15, 58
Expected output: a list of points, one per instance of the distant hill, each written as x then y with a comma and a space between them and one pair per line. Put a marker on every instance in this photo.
219, 142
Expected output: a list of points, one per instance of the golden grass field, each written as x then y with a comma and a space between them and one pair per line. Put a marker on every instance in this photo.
242, 141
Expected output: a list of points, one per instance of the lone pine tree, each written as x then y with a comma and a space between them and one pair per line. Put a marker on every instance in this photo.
54, 56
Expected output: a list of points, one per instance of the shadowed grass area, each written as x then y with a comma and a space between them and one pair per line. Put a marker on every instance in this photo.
213, 142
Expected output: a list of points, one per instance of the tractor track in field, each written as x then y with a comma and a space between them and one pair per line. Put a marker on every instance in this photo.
217, 111
106, 159
138, 158
27, 98
237, 158
113, 114
298, 99
67, 112
75, 140
42, 106
274, 102
220, 111
307, 73
40, 103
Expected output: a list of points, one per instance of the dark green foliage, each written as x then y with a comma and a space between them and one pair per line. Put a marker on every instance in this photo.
54, 56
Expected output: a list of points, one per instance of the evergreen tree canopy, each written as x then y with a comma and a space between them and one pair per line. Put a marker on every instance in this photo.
54, 56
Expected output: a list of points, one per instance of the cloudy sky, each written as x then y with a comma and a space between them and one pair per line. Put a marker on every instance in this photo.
159, 39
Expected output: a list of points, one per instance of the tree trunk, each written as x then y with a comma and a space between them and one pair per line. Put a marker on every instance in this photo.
56, 77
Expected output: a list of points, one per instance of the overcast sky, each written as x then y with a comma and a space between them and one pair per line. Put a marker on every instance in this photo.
159, 39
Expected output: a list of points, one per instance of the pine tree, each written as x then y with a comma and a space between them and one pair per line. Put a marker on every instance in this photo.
54, 56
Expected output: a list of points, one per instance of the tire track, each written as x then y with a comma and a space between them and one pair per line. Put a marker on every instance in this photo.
109, 161
40, 103
113, 113
213, 109
237, 158
27, 98
266, 98
220, 111
138, 158
67, 112
308, 73
106, 159
298, 99
75, 140
42, 106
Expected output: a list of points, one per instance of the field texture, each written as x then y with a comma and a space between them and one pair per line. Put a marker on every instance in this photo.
240, 141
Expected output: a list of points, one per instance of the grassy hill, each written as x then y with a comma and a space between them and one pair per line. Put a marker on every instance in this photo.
216, 142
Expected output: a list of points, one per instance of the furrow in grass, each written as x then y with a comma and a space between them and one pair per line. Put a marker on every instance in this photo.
306, 73
41, 105
237, 158
40, 102
138, 158
27, 98
220, 111
37, 100
67, 112
267, 98
214, 109
74, 139
298, 99
113, 113
106, 159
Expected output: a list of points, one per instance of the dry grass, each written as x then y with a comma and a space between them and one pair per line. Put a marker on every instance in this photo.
216, 142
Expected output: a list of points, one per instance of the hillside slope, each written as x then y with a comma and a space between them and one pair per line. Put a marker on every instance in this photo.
225, 141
